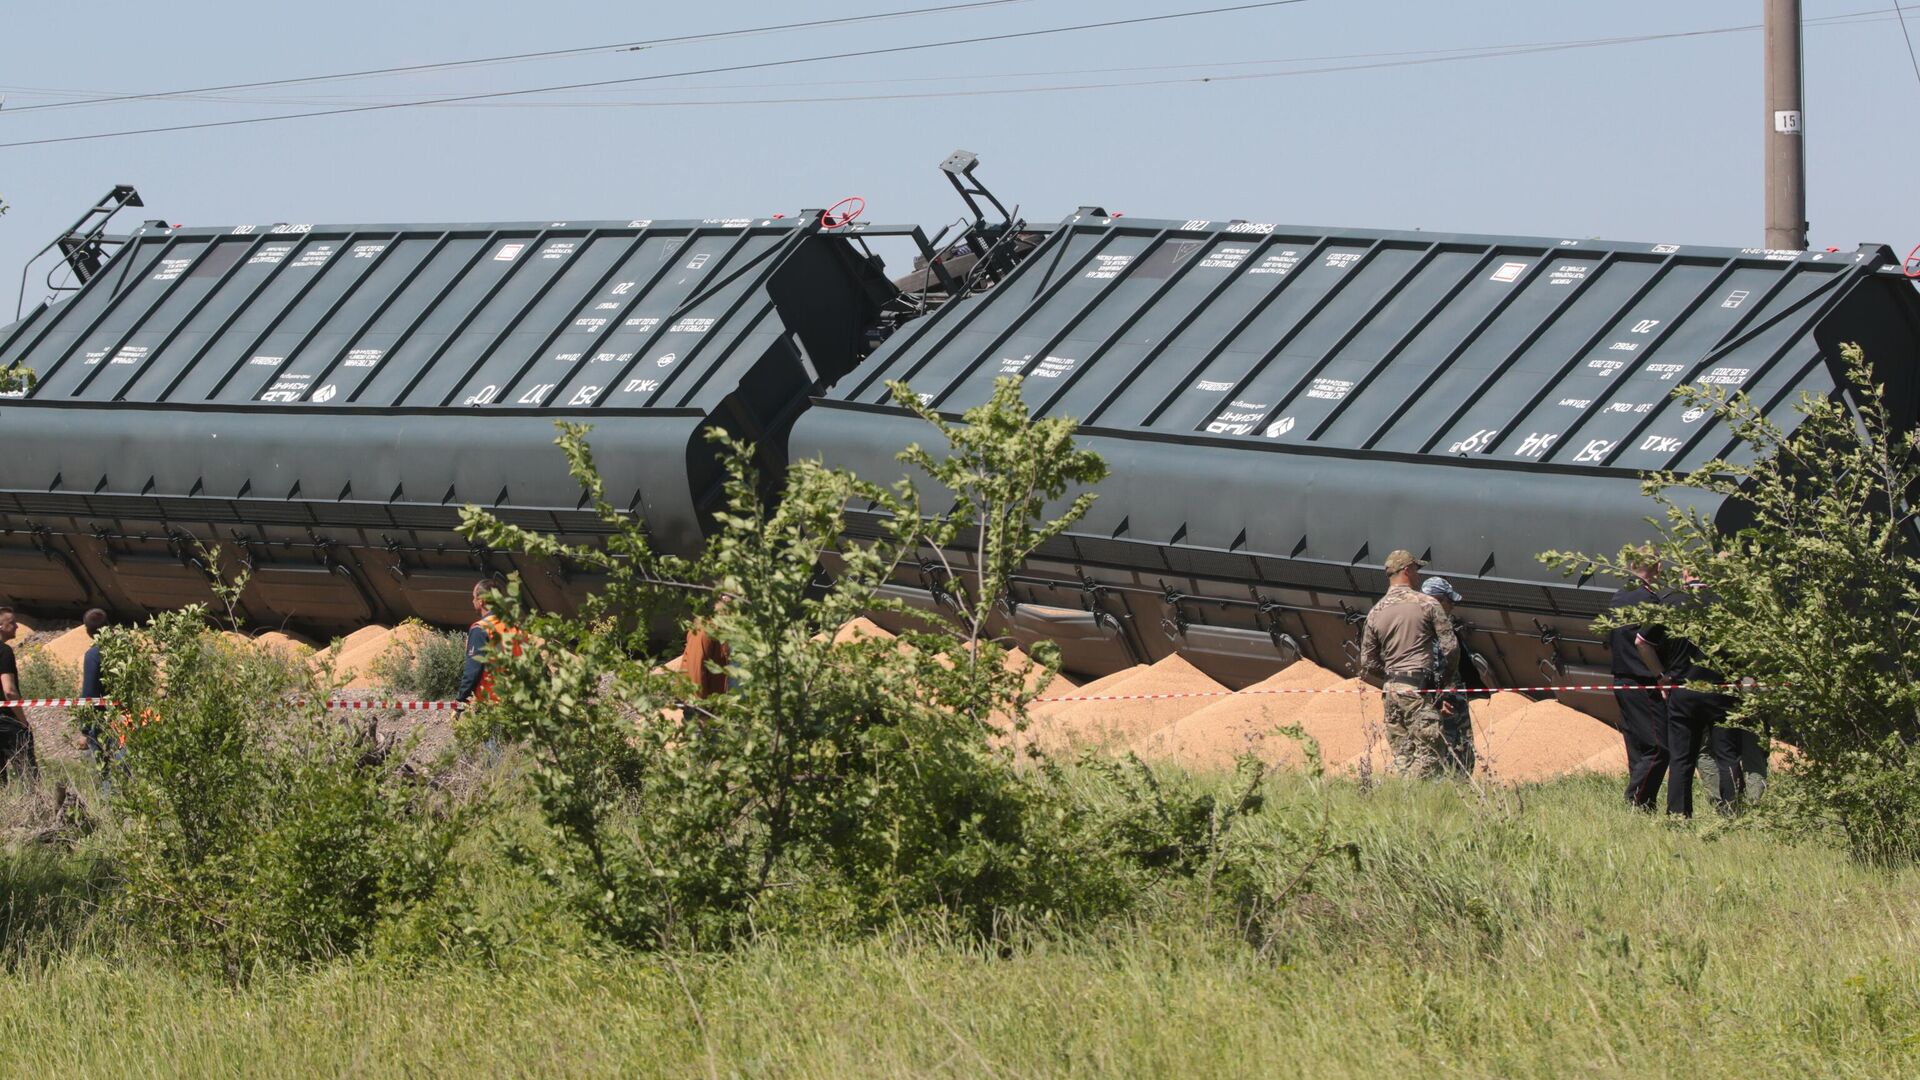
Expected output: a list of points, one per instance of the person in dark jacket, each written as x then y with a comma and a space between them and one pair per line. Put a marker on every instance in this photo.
1643, 713
93, 717
1696, 719
16, 737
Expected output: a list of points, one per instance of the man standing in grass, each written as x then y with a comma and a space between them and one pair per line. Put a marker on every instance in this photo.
93, 722
1456, 719
16, 738
1636, 678
1409, 639
1697, 718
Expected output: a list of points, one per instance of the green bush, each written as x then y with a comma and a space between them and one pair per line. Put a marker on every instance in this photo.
250, 826
834, 787
43, 675
15, 378
426, 665
1816, 598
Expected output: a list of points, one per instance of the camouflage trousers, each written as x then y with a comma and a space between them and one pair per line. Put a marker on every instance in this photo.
1414, 734
1456, 730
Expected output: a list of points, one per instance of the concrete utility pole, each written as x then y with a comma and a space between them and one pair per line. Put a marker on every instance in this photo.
1786, 145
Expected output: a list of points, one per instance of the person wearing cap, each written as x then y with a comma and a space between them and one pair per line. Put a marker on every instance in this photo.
1456, 720
489, 630
1409, 641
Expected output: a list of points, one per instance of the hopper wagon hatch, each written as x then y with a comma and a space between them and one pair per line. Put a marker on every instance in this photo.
322, 400
1282, 407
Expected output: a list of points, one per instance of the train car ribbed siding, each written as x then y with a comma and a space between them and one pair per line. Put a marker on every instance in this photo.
321, 400
1284, 406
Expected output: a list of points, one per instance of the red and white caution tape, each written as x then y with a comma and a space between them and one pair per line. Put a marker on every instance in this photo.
332, 703
404, 706
1595, 688
1592, 688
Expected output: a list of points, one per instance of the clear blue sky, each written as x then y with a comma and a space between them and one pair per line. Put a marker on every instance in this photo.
1657, 141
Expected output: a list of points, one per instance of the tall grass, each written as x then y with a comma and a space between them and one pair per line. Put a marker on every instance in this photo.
1548, 933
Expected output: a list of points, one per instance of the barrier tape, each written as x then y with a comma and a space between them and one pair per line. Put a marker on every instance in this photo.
1594, 688
332, 703
1744, 684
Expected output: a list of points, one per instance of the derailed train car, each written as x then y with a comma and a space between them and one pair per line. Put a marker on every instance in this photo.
321, 401
1282, 407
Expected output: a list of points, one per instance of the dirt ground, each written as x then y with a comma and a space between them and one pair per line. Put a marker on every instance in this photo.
1169, 711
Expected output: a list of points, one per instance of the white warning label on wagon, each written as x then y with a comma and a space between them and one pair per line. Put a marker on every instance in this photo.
1568, 274
1278, 265
1226, 258
1330, 389
508, 252
1510, 271
363, 358
1108, 266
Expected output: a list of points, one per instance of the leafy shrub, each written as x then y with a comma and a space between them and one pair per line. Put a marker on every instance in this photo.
1816, 597
16, 378
43, 675
426, 664
836, 785
252, 828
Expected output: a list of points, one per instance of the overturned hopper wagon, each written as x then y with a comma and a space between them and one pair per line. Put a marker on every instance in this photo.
320, 401
1282, 407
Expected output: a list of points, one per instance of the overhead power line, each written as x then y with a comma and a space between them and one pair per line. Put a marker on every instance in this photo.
1383, 60
547, 54
630, 80
1911, 58
233, 93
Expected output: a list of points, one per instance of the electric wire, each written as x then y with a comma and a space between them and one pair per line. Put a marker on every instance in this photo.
1911, 58
217, 94
1392, 59
757, 66
1396, 59
547, 54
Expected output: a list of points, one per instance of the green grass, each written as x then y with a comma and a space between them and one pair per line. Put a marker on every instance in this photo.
1553, 934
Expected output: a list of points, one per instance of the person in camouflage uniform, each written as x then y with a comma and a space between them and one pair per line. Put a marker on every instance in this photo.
1456, 720
1404, 632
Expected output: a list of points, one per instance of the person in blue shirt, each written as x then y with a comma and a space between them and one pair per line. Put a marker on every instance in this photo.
93, 723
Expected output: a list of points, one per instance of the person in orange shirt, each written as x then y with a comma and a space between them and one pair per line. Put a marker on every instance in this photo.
706, 656
476, 679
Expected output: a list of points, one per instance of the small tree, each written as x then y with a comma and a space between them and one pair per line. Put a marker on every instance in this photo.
837, 784
1002, 470
252, 827
1816, 597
